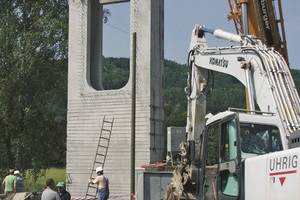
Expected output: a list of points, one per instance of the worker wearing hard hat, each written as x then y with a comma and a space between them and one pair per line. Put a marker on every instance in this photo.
103, 184
20, 181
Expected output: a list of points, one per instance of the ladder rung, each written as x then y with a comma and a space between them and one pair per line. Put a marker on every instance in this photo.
106, 130
92, 186
98, 162
100, 154
90, 190
103, 146
104, 138
107, 121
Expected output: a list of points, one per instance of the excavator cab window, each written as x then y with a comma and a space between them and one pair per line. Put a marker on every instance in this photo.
259, 139
229, 184
211, 168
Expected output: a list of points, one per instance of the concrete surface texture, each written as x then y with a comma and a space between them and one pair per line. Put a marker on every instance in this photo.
88, 102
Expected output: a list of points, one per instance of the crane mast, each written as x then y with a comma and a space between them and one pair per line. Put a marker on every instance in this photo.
262, 18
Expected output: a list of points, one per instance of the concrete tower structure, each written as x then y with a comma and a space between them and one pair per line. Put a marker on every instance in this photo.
88, 102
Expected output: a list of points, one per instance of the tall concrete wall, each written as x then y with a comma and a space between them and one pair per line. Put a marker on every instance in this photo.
88, 103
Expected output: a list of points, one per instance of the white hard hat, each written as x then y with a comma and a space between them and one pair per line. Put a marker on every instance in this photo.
16, 172
99, 169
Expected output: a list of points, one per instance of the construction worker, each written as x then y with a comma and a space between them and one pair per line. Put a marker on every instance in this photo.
20, 181
102, 183
10, 183
49, 193
62, 192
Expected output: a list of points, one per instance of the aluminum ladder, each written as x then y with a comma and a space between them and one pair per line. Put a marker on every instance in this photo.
101, 152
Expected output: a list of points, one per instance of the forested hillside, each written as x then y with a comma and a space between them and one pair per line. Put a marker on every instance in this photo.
227, 91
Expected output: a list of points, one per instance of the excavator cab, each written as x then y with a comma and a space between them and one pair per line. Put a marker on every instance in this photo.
221, 159
229, 139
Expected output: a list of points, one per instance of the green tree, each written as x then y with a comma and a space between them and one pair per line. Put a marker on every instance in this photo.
33, 83
226, 90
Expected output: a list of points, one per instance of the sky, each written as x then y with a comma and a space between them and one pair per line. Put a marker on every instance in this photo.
180, 18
